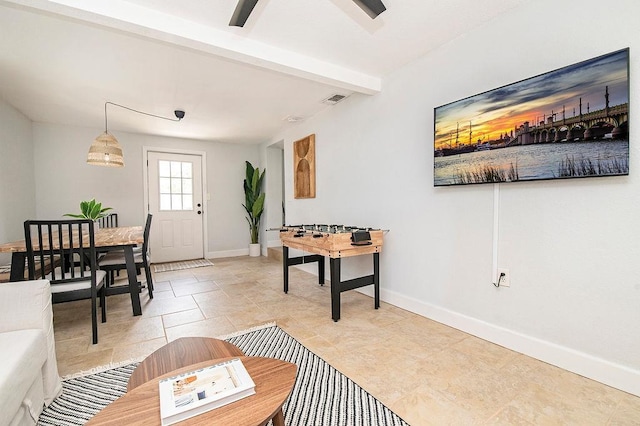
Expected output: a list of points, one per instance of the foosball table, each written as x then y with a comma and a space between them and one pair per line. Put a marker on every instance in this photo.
335, 242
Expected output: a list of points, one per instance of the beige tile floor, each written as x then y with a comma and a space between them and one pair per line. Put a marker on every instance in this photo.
426, 372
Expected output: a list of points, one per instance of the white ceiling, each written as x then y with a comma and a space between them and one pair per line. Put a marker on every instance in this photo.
61, 60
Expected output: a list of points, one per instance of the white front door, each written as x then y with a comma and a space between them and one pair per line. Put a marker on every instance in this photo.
175, 201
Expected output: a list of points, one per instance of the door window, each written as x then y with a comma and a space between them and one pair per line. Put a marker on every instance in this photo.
176, 185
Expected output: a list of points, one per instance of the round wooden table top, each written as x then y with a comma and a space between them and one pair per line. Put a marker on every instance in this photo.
274, 380
179, 353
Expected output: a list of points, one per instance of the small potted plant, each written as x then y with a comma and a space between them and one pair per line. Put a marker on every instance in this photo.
254, 205
90, 210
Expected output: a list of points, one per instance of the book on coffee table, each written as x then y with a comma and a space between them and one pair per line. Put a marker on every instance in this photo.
189, 394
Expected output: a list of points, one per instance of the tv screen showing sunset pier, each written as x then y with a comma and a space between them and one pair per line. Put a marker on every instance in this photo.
568, 123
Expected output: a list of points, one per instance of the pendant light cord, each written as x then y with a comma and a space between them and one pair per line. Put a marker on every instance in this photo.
139, 112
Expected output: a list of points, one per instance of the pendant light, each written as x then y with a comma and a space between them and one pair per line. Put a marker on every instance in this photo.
105, 149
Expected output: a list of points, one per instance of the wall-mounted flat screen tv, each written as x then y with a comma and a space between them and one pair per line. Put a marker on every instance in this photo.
568, 123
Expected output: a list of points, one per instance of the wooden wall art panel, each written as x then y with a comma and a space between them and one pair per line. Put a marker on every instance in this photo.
304, 167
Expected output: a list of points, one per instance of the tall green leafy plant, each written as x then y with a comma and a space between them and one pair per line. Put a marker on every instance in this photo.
90, 210
254, 199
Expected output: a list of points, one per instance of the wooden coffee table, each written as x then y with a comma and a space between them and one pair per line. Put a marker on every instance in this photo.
274, 381
180, 353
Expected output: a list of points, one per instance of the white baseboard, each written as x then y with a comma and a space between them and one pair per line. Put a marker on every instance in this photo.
228, 253
241, 252
598, 369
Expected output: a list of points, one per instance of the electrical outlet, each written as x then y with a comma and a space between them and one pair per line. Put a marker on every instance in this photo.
506, 279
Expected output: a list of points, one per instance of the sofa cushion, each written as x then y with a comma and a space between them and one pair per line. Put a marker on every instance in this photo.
21, 366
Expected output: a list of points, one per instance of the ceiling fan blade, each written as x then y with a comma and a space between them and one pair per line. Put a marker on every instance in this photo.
373, 8
242, 12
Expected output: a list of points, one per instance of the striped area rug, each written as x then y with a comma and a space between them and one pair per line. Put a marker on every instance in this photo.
322, 396
186, 264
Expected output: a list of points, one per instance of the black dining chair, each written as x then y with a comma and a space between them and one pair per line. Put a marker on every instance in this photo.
114, 261
52, 246
108, 221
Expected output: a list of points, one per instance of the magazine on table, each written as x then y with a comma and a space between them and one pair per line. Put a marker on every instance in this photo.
195, 392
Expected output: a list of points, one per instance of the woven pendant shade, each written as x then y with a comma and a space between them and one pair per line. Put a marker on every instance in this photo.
105, 151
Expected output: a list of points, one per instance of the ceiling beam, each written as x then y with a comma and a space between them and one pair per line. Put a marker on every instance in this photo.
130, 18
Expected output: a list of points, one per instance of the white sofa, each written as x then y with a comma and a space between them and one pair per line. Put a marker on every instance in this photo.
29, 378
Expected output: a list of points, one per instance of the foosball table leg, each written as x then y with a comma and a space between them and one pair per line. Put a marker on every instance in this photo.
334, 265
321, 271
285, 268
376, 279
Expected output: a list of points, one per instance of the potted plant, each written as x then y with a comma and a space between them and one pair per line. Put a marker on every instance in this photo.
254, 204
90, 210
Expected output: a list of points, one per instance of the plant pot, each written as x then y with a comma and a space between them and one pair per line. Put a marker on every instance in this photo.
254, 250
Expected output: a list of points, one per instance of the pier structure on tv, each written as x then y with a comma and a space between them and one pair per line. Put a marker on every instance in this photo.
610, 122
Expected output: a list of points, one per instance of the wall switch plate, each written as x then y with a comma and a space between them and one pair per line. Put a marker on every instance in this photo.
506, 280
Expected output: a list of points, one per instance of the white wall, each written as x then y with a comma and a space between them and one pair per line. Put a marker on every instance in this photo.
63, 179
17, 199
571, 246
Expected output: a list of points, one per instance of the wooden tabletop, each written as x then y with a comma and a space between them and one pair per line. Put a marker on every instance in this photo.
104, 237
331, 245
179, 353
274, 381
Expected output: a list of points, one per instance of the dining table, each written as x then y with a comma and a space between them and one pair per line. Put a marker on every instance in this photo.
123, 238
